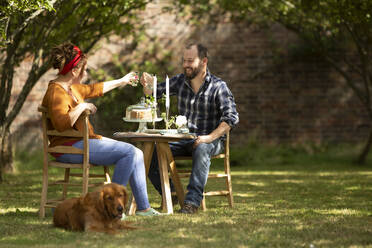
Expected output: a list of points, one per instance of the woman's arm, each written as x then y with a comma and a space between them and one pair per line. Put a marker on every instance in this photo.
110, 85
80, 108
107, 86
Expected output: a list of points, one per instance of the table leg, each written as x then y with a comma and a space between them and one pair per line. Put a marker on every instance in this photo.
164, 178
148, 149
132, 206
174, 174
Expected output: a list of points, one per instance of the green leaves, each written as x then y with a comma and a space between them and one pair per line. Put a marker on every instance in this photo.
30, 28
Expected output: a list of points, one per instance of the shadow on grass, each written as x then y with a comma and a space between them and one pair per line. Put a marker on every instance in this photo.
314, 199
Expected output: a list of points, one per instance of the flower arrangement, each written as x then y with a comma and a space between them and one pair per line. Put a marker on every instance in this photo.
150, 102
181, 121
170, 122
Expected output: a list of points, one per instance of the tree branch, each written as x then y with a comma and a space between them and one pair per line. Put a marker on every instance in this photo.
35, 73
359, 94
7, 76
362, 56
27, 21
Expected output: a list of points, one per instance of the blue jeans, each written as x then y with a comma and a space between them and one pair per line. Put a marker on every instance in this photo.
128, 160
201, 161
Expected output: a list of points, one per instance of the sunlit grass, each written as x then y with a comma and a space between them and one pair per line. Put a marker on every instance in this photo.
284, 197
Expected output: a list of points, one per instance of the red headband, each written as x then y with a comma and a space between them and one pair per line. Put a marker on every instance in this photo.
68, 67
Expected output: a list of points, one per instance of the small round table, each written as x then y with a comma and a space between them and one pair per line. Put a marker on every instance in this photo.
165, 159
142, 124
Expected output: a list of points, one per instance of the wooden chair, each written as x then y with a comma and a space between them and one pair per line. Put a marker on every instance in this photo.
83, 168
227, 175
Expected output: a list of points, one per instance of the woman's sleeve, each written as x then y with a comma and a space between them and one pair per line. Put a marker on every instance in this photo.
89, 90
58, 109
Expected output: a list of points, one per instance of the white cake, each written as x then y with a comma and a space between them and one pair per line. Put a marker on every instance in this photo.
140, 111
133, 113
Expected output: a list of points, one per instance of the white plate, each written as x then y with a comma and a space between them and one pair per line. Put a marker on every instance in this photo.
162, 131
140, 120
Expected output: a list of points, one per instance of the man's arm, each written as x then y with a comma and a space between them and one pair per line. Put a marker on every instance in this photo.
215, 134
229, 118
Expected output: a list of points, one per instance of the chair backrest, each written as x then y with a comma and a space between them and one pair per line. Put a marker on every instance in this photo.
68, 133
226, 152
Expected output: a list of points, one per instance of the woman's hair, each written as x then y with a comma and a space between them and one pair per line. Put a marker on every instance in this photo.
63, 54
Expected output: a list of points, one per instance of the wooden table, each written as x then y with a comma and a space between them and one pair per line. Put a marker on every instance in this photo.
165, 159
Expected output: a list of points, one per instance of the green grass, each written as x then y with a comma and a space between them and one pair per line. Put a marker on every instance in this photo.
284, 197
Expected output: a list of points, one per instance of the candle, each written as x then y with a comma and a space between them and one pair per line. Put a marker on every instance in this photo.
154, 88
167, 92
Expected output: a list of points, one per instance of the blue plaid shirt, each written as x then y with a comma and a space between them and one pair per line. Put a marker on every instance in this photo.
205, 110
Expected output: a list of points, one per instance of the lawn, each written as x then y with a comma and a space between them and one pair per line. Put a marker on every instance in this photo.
284, 197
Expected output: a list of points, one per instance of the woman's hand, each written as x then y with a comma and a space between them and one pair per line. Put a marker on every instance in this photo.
80, 108
130, 78
89, 106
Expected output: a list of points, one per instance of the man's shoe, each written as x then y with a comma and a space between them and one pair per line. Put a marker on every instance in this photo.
188, 209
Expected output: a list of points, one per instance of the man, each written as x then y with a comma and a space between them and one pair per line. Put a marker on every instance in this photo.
209, 107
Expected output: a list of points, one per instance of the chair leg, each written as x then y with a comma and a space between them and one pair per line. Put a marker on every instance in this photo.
44, 192
85, 179
106, 170
203, 204
67, 179
230, 195
228, 182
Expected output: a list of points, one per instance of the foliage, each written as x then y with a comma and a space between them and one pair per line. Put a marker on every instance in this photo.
35, 30
318, 200
81, 22
168, 122
11, 8
337, 31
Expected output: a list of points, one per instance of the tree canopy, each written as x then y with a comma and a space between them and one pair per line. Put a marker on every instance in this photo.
338, 31
31, 28
10, 9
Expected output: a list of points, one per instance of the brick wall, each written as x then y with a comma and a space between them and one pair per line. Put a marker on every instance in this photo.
278, 100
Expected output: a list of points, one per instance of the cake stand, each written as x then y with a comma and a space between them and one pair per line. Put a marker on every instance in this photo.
142, 124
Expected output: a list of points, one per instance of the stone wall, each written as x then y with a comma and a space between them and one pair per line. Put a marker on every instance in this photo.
279, 100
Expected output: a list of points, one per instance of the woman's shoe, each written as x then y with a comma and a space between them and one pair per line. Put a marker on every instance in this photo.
150, 212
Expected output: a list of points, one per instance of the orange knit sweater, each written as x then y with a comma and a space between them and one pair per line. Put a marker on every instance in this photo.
59, 103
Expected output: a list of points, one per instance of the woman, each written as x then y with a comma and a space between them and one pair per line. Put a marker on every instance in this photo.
65, 102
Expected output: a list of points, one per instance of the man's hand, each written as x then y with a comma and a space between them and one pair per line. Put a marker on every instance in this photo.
202, 139
147, 82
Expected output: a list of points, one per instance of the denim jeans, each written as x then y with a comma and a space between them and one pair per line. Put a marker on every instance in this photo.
128, 160
201, 161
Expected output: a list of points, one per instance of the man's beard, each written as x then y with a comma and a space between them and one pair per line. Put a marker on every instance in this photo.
194, 72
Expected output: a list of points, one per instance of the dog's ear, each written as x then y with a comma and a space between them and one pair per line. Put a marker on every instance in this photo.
100, 203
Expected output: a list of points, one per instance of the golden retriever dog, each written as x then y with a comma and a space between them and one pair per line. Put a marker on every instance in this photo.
99, 211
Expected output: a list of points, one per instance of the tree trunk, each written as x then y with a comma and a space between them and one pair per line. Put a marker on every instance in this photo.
363, 155
6, 154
